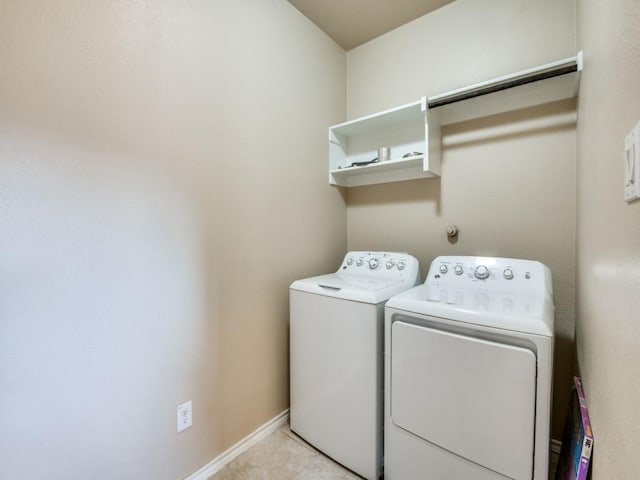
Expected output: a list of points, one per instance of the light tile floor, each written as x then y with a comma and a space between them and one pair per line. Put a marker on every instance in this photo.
283, 456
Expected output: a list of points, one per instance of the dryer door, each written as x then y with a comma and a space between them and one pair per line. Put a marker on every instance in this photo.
472, 397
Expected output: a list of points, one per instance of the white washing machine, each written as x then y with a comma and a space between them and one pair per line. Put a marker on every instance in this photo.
336, 356
468, 372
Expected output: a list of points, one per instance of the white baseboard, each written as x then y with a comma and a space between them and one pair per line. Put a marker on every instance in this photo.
243, 445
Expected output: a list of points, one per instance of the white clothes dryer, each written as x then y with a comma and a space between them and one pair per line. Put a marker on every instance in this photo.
336, 356
468, 372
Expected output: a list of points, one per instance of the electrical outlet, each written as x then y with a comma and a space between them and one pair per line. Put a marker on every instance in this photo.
184, 416
632, 164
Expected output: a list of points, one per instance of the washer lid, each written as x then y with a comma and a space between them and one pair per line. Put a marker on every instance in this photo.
369, 277
508, 311
352, 287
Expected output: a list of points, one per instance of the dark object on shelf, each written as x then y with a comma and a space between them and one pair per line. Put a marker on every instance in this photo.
366, 162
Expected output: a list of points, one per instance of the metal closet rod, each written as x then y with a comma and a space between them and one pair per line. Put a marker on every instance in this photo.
502, 85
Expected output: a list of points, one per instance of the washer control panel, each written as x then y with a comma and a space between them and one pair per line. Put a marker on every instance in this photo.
488, 272
388, 265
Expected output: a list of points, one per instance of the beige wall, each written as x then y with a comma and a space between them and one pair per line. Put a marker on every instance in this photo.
508, 181
159, 163
608, 235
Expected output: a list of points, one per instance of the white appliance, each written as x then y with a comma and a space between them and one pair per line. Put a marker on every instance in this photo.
468, 371
336, 356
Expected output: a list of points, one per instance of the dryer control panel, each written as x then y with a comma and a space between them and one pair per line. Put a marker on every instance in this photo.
491, 273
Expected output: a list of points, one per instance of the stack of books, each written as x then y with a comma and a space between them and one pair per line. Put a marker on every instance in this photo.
577, 440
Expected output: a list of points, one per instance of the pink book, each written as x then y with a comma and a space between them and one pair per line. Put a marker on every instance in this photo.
577, 440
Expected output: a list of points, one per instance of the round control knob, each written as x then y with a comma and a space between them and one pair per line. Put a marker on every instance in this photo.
458, 269
359, 262
389, 265
508, 273
444, 268
482, 272
373, 263
400, 265
349, 261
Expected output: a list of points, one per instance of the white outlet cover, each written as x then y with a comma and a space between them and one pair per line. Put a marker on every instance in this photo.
632, 164
184, 415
